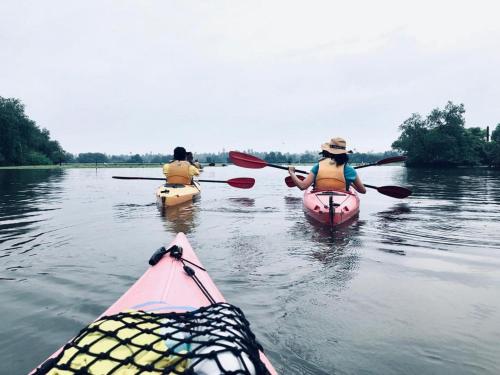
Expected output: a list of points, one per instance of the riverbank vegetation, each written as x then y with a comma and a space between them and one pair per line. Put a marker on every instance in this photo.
442, 140
22, 141
221, 157
439, 140
100, 160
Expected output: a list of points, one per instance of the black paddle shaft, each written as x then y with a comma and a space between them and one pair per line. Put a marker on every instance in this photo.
285, 168
161, 179
218, 181
139, 178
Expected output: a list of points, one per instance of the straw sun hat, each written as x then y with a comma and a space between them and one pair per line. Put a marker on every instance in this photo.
335, 146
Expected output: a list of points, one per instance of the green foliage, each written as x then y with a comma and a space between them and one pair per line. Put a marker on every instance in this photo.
371, 157
92, 157
222, 157
136, 159
476, 148
21, 140
68, 158
37, 158
276, 157
495, 135
118, 158
492, 149
441, 139
160, 159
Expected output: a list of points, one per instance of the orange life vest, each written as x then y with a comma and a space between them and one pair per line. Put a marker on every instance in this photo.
178, 173
330, 176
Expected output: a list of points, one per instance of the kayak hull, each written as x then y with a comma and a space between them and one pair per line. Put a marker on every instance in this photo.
345, 206
172, 195
165, 287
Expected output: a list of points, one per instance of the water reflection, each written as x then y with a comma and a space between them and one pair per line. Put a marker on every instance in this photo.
337, 249
131, 210
293, 202
389, 224
242, 202
180, 218
448, 208
409, 286
26, 202
334, 248
398, 212
470, 185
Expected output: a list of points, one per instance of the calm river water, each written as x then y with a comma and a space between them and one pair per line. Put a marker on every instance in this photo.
412, 286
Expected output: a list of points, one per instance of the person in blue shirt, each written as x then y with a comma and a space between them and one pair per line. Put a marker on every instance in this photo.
332, 172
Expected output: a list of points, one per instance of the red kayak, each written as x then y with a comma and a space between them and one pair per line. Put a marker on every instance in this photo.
331, 207
175, 289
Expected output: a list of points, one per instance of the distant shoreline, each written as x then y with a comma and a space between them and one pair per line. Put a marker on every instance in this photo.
126, 165
86, 165
106, 165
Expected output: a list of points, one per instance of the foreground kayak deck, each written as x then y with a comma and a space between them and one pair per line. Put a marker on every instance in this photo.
331, 207
169, 195
166, 287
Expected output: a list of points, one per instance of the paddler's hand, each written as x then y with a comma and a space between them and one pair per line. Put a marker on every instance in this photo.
291, 171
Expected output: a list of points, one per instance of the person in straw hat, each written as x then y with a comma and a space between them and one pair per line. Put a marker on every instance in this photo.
332, 172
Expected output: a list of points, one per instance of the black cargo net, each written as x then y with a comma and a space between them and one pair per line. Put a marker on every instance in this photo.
211, 340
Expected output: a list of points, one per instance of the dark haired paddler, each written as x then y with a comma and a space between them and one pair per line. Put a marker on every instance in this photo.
333, 171
179, 170
180, 186
194, 163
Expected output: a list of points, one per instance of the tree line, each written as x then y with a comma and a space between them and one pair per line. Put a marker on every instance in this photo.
22, 142
438, 140
223, 157
442, 140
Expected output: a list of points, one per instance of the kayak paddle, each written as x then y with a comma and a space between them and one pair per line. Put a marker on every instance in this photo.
240, 183
390, 191
249, 161
392, 159
139, 178
289, 182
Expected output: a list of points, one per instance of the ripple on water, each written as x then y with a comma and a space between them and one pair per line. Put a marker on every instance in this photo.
407, 287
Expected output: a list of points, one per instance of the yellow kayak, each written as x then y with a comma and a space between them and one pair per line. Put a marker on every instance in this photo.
173, 194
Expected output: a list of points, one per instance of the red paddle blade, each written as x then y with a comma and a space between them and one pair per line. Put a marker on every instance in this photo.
289, 182
393, 159
246, 161
242, 182
394, 191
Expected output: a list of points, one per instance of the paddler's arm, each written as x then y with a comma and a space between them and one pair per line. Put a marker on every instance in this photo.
193, 171
165, 170
301, 184
358, 185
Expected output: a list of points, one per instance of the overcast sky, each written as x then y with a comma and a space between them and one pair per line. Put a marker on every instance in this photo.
141, 76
